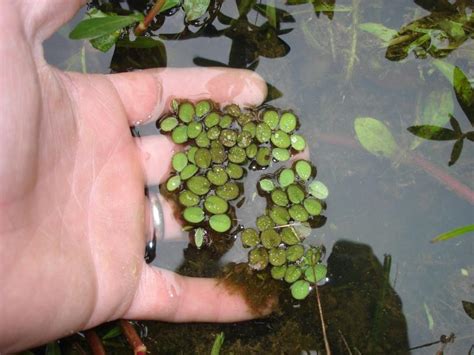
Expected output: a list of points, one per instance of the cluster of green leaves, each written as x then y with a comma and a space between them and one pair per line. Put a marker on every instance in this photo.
104, 29
206, 179
437, 34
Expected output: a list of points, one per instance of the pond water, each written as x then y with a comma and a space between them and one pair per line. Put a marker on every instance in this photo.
330, 71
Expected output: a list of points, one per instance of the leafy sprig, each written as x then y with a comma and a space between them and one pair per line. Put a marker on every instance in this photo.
465, 97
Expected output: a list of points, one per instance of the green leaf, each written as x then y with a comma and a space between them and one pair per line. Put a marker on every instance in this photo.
433, 133
112, 333
169, 4
455, 125
216, 347
456, 232
380, 31
464, 93
375, 137
270, 13
468, 308
470, 136
437, 109
445, 68
105, 42
194, 9
456, 152
100, 26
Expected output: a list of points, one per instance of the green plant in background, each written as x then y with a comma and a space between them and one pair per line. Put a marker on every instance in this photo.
465, 97
456, 232
105, 29
376, 138
438, 34
207, 180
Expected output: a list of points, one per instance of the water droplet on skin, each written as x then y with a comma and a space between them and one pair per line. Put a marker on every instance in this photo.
138, 123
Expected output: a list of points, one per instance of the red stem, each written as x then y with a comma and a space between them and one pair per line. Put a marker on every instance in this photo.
94, 342
142, 26
132, 337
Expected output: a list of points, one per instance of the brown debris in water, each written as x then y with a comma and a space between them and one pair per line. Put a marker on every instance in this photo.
258, 288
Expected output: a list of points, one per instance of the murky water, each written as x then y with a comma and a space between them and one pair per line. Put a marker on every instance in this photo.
334, 72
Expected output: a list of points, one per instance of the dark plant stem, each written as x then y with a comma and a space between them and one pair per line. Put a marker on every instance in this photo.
412, 158
94, 342
323, 324
142, 26
132, 337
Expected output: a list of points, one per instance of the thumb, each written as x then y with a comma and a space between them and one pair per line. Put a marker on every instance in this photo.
42, 18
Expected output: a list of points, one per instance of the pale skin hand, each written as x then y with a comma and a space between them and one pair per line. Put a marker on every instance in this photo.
72, 229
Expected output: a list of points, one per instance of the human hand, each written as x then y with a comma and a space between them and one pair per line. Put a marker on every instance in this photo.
72, 225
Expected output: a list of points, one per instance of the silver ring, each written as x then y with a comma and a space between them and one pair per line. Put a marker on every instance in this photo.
156, 225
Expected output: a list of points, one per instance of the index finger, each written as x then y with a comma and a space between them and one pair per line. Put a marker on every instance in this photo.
147, 94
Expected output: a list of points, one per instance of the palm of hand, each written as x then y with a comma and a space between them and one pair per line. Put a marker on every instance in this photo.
73, 205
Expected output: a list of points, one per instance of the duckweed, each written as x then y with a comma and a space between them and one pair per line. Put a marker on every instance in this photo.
222, 145
318, 190
186, 112
217, 176
278, 272
279, 215
264, 222
288, 122
220, 222
281, 154
315, 273
194, 129
202, 107
281, 139
270, 238
237, 155
228, 191
277, 256
298, 142
199, 185
180, 134
271, 118
267, 185
168, 124
298, 213
179, 161
250, 237
193, 214
189, 171
216, 204
234, 171
173, 183
286, 177
258, 258
300, 289
188, 198
303, 169
279, 197
292, 273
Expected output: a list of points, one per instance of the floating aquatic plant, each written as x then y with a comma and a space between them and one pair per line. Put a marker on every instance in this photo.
219, 147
